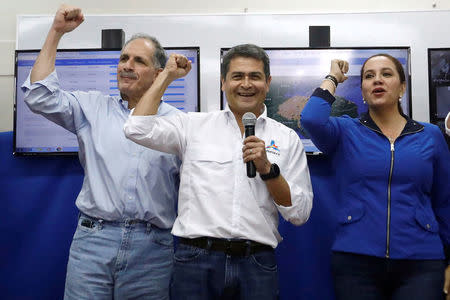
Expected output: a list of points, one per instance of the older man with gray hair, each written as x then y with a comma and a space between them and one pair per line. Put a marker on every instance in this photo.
122, 247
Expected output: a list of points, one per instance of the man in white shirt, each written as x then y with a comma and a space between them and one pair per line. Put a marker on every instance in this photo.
227, 222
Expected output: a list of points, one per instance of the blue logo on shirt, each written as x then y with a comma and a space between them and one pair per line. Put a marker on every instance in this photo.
272, 148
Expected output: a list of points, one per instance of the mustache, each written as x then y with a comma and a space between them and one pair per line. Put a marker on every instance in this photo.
128, 74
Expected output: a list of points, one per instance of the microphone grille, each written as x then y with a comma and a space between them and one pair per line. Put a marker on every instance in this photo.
249, 119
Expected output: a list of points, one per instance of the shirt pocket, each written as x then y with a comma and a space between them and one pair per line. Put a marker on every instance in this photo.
210, 172
210, 154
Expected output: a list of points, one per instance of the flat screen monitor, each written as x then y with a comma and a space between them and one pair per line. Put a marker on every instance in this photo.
439, 84
86, 70
296, 72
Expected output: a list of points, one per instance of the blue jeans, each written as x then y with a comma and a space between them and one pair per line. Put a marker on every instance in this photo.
119, 260
201, 274
373, 278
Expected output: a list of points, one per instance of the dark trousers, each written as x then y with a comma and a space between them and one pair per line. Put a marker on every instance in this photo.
202, 274
373, 278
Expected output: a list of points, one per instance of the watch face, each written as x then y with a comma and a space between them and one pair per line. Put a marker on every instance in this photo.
274, 172
276, 168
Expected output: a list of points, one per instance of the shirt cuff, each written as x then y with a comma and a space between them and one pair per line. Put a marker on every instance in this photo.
50, 82
140, 118
291, 214
324, 94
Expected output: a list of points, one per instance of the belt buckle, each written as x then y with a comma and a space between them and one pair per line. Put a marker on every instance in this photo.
87, 223
235, 248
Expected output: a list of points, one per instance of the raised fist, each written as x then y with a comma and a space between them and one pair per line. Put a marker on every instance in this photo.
67, 18
178, 66
338, 69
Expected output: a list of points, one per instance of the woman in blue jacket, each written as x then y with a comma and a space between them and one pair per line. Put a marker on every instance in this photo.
393, 238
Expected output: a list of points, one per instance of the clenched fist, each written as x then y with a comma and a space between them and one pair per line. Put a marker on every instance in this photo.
67, 18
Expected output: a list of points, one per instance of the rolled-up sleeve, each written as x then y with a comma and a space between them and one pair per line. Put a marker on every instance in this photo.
161, 133
45, 97
299, 180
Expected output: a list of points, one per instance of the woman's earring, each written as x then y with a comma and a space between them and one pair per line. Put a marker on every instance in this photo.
364, 101
400, 99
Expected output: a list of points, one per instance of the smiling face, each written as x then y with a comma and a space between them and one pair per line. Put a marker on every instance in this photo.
381, 83
136, 71
245, 85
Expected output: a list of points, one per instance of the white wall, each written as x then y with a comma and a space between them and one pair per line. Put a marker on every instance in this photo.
10, 9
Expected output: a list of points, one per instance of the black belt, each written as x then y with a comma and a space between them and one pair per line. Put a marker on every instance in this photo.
90, 222
229, 247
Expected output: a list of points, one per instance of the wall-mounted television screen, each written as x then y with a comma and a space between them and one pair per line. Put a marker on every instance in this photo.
296, 72
439, 84
86, 69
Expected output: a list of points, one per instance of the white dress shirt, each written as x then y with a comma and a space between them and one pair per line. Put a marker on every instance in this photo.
216, 198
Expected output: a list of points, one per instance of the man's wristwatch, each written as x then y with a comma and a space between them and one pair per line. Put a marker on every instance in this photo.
273, 173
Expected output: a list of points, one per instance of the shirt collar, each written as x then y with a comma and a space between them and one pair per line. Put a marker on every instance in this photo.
410, 127
230, 115
124, 103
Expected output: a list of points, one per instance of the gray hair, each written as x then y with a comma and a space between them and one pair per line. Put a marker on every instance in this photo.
159, 55
245, 50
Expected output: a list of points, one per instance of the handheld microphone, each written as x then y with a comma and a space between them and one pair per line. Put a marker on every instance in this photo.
249, 121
